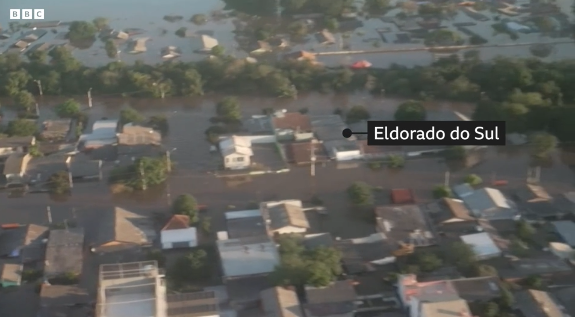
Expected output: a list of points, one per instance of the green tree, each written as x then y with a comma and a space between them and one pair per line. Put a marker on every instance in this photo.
357, 113
142, 174
524, 230
360, 194
100, 23
542, 144
37, 56
473, 179
442, 37
490, 309
396, 161
130, 115
34, 151
159, 123
428, 261
441, 191
186, 205
68, 109
189, 269
461, 255
15, 82
21, 127
24, 101
58, 183
218, 50
331, 24
111, 49
228, 110
206, 224
533, 281
181, 32
81, 30
410, 111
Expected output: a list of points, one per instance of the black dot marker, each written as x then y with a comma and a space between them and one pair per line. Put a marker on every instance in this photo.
346, 133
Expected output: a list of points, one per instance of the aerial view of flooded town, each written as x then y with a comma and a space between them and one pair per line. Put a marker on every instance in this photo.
186, 158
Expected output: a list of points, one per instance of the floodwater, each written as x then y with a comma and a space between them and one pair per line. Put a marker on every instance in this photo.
188, 119
147, 15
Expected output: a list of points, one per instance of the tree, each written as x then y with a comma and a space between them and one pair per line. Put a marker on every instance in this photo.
542, 144
68, 109
357, 113
100, 23
473, 180
228, 110
159, 123
81, 30
186, 205
442, 37
189, 268
199, 19
360, 194
461, 255
34, 151
428, 261
15, 82
24, 101
490, 309
441, 191
331, 24
533, 281
21, 127
396, 161
181, 32
218, 50
143, 173
524, 230
481, 270
455, 153
58, 183
130, 115
410, 111
206, 224
477, 40
37, 56
111, 49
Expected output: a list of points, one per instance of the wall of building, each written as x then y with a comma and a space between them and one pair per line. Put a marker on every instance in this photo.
6, 151
260, 139
290, 229
231, 161
347, 155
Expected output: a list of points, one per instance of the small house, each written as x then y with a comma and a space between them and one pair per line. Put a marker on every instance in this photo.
10, 274
15, 168
490, 204
301, 56
325, 37
284, 217
236, 152
134, 140
23, 242
169, 52
343, 150
482, 245
204, 43
119, 35
12, 145
55, 130
121, 229
282, 302
64, 253
260, 47
138, 46
40, 47
21, 45
84, 168
450, 214
292, 126
177, 233
337, 299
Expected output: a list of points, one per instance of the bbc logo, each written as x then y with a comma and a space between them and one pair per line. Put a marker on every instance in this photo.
27, 14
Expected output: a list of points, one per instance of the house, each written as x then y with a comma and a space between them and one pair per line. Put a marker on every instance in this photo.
301, 56
531, 193
402, 196
40, 47
404, 226
565, 297
24, 242
329, 128
177, 233
335, 300
562, 251
548, 268
103, 133
292, 126
440, 308
260, 47
490, 204
243, 258
21, 45
33, 35
119, 35
450, 214
64, 253
64, 300
283, 217
325, 37
12, 145
204, 43
81, 167
482, 245
302, 153
121, 229
343, 150
170, 52
55, 130
10, 274
136, 139
535, 303
565, 230
15, 168
280, 302
364, 254
200, 304
246, 224
138, 46
236, 152
244, 293
375, 153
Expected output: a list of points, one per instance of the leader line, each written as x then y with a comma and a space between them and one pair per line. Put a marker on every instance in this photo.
347, 133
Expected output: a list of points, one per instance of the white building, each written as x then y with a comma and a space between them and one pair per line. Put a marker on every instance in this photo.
103, 133
177, 233
242, 258
343, 150
236, 152
482, 244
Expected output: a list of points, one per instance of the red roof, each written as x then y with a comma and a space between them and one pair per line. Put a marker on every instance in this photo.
402, 196
177, 222
361, 64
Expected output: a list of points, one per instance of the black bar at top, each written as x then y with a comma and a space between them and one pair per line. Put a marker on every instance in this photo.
492, 132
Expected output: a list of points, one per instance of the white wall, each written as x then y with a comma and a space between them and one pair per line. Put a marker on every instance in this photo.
6, 151
347, 156
170, 245
231, 161
290, 229
256, 139
418, 153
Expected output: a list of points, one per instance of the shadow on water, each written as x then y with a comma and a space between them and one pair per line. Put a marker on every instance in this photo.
59, 198
153, 194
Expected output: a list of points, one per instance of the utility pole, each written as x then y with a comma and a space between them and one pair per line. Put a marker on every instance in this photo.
447, 179
168, 162
49, 214
162, 95
144, 187
39, 83
90, 97
70, 179
37, 110
312, 158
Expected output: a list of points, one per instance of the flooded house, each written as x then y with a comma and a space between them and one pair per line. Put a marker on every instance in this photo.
64, 253
15, 168
204, 43
20, 46
301, 56
169, 52
119, 35
138, 140
236, 152
33, 36
12, 145
325, 37
138, 46
55, 130
40, 47
260, 47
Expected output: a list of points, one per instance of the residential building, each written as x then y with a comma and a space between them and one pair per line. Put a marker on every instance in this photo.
11, 145
236, 152
565, 230
83, 168
441, 308
170, 52
375, 153
119, 35
139, 289
482, 245
204, 43
10, 274
329, 128
363, 254
325, 37
259, 47
56, 130
535, 303
548, 268
335, 300
404, 226
64, 252
291, 126
343, 150
177, 233
40, 47
33, 36
280, 302
301, 56
64, 300
246, 224
243, 258
121, 229
304, 153
103, 133
565, 296
283, 217
244, 293
25, 242
20, 46
402, 196
137, 140
138, 46
15, 168
490, 204
449, 214
531, 193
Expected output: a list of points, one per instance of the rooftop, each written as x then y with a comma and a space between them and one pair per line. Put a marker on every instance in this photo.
292, 121
246, 224
11, 272
236, 145
329, 127
121, 225
520, 268
317, 240
240, 259
534, 303
448, 210
334, 299
258, 125
402, 196
482, 244
16, 141
204, 42
55, 129
138, 135
404, 225
64, 252
177, 222
360, 255
477, 288
64, 300
300, 153
138, 45
16, 163
458, 307
283, 214
490, 203
532, 193
280, 302
25, 241
565, 230
247, 288
197, 304
84, 168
